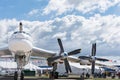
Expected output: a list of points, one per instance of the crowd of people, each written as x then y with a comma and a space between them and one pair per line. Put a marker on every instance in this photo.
101, 75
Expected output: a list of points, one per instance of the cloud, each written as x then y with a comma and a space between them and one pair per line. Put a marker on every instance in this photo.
5, 26
33, 12
60, 35
56, 5
75, 32
83, 6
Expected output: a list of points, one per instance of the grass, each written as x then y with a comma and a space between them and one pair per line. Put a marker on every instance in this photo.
103, 79
71, 77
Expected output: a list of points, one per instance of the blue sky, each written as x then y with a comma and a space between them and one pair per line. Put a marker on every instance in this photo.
20, 9
76, 22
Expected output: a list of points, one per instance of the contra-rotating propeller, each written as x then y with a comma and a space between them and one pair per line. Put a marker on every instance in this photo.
93, 53
92, 58
63, 55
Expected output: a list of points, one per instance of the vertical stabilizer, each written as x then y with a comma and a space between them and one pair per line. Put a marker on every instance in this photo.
20, 27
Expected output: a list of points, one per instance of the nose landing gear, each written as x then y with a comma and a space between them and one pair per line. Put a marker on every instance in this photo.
22, 75
17, 76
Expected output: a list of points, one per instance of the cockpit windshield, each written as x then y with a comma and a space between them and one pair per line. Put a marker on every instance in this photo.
21, 32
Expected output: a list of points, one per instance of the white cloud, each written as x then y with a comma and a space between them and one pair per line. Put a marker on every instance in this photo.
84, 6
33, 12
75, 31
56, 5
60, 35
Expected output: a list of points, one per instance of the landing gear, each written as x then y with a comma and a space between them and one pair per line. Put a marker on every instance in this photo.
21, 61
22, 75
53, 75
16, 75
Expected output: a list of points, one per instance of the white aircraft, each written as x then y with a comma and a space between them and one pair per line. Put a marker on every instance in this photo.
21, 48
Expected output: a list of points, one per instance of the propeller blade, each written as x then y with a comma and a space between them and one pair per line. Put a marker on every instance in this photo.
93, 67
93, 49
74, 52
102, 59
61, 46
67, 65
85, 57
53, 58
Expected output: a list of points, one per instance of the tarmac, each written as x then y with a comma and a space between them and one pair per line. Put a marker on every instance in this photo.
34, 78
6, 78
72, 77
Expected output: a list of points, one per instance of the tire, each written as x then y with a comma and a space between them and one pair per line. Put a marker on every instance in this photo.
56, 75
22, 75
16, 75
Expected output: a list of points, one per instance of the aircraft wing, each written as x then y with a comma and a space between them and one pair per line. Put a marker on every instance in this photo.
4, 51
82, 61
42, 53
99, 64
73, 59
77, 60
102, 59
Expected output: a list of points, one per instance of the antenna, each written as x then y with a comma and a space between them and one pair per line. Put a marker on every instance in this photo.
20, 27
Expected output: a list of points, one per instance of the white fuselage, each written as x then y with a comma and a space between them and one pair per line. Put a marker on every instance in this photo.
20, 43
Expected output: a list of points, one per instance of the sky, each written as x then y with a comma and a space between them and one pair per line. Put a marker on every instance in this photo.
78, 23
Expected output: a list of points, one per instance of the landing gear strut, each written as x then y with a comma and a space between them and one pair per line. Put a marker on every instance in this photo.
54, 74
21, 61
16, 75
22, 75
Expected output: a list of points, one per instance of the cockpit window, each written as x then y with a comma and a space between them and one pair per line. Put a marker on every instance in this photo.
21, 32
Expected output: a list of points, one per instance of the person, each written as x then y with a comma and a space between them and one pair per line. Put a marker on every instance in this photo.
99, 74
104, 74
87, 75
113, 75
39, 72
118, 74
82, 76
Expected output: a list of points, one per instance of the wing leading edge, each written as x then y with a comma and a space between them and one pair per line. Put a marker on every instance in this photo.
5, 51
42, 53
